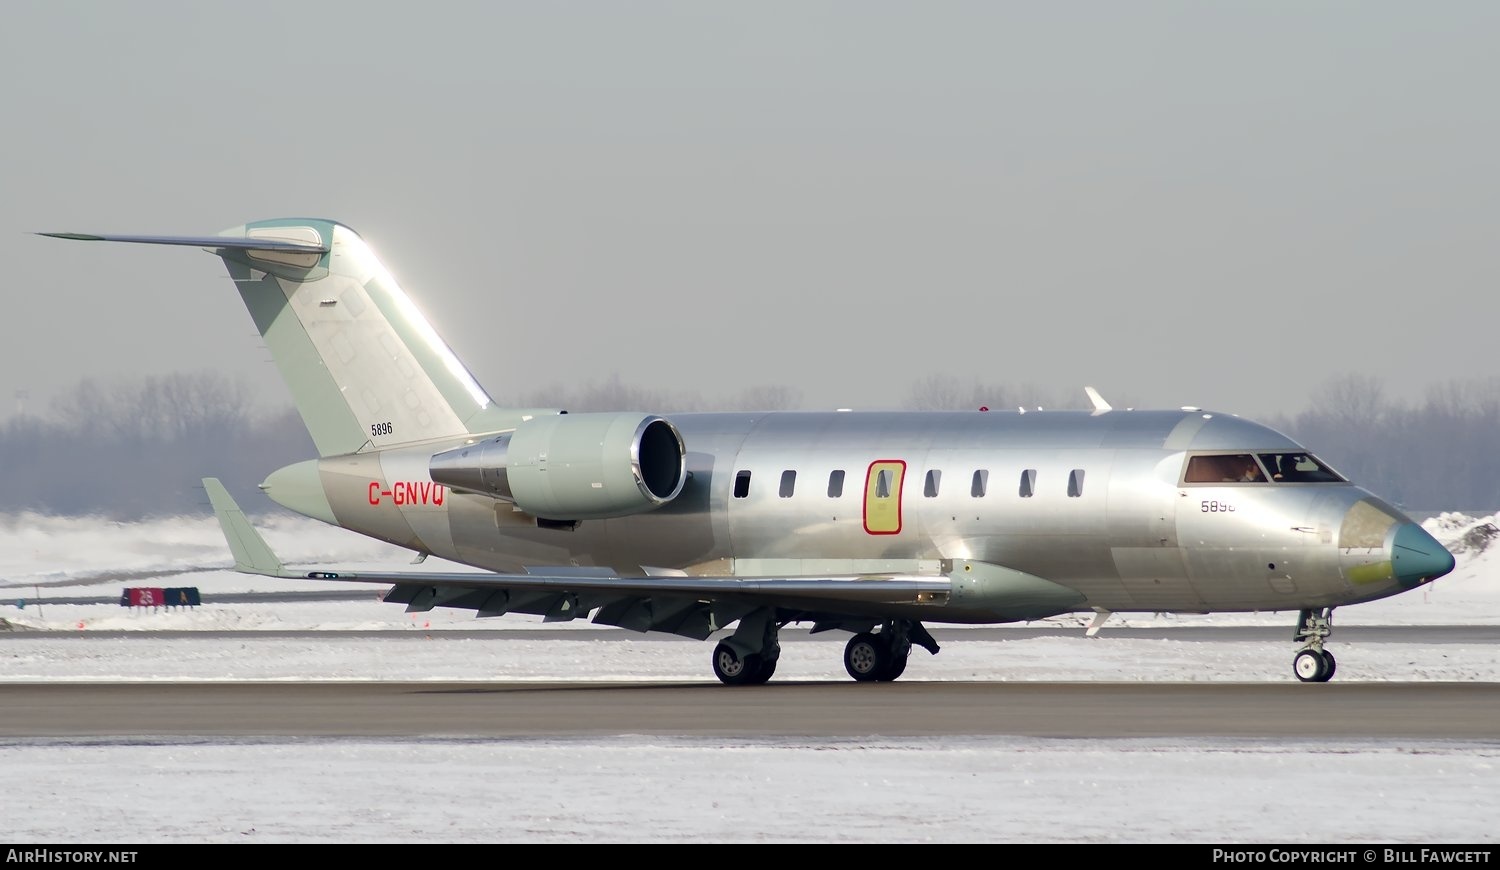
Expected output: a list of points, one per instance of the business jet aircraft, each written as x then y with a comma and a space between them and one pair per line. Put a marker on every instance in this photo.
873, 523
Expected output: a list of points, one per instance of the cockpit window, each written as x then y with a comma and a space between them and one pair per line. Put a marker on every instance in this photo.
1224, 468
1299, 468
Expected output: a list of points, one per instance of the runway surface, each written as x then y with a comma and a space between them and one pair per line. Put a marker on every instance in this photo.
810, 709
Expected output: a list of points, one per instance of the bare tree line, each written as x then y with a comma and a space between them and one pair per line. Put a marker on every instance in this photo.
1424, 456
126, 450
613, 394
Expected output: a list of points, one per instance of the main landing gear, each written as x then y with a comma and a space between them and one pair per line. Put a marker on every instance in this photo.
748, 658
881, 656
734, 669
1313, 663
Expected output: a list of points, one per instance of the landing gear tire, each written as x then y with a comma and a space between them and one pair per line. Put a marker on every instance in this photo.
765, 668
866, 658
735, 671
897, 667
1313, 662
1313, 666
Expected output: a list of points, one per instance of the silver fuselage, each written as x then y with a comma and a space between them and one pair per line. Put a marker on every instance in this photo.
1108, 513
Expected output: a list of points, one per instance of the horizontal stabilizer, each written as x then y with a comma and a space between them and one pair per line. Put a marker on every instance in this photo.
237, 243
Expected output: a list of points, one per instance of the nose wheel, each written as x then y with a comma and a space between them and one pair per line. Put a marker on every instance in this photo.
1314, 666
1313, 663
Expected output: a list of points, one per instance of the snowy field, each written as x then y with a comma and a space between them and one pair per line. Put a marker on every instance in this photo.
638, 789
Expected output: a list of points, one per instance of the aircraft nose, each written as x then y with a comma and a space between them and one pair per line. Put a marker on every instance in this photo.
1417, 557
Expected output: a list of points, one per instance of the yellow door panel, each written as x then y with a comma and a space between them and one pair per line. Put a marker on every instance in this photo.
883, 496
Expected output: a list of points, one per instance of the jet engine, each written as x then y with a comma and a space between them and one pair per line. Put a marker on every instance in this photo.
573, 466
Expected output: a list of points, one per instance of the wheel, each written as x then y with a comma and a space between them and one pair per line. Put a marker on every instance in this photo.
1331, 665
733, 670
897, 667
764, 670
1310, 666
866, 658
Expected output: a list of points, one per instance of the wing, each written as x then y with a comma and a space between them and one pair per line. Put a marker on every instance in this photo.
679, 604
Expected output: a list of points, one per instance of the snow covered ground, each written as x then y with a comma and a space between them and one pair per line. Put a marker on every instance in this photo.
636, 789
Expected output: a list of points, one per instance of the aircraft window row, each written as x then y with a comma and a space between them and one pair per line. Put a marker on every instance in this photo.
1264, 468
1239, 468
1208, 468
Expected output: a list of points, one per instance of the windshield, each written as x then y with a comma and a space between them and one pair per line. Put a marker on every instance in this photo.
1299, 468
1263, 468
1224, 468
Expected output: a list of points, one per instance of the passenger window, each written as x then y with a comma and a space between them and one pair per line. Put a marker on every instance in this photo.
1075, 483
1028, 483
934, 480
883, 483
788, 483
742, 484
980, 484
836, 484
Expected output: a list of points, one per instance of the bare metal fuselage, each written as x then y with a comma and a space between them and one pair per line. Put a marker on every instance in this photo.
1108, 513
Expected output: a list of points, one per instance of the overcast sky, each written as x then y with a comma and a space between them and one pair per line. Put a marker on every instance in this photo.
1179, 203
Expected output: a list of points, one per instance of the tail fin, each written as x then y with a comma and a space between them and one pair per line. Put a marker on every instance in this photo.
365, 368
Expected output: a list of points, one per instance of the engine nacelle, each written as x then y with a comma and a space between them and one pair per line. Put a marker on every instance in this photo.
573, 466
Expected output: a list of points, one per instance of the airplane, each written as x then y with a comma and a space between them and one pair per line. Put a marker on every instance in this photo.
873, 523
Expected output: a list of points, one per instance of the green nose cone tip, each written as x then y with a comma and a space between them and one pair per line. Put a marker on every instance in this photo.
1417, 557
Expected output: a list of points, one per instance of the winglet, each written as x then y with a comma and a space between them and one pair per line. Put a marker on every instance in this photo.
1100, 406
251, 555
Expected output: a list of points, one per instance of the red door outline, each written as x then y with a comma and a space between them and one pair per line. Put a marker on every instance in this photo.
882, 519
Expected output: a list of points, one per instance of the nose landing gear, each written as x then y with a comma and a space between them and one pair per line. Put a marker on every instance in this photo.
1313, 663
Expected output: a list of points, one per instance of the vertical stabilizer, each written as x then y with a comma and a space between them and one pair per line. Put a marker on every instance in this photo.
364, 366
